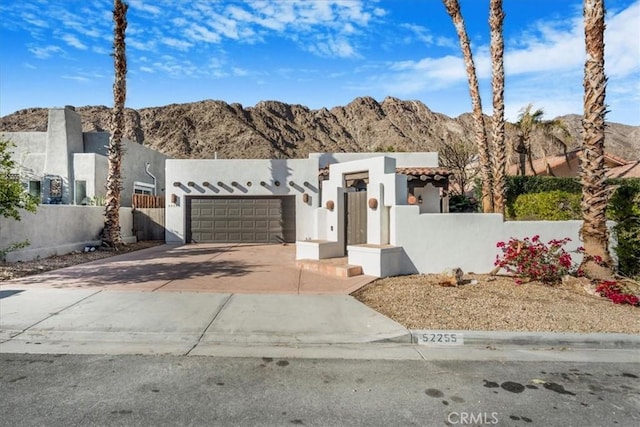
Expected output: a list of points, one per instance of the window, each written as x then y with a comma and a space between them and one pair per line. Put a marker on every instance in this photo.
81, 193
35, 188
143, 188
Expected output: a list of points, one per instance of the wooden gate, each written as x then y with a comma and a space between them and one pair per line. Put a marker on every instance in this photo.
356, 217
148, 217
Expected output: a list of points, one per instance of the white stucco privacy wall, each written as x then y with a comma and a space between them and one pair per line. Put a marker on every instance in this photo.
434, 242
59, 229
240, 177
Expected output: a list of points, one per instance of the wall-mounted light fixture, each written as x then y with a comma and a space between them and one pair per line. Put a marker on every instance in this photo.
191, 184
205, 184
305, 198
174, 199
249, 184
420, 199
291, 183
330, 205
220, 183
235, 184
411, 199
373, 203
306, 184
176, 184
276, 183
264, 184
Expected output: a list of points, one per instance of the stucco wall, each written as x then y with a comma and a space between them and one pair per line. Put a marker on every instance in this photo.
58, 229
135, 158
297, 171
434, 242
28, 153
403, 160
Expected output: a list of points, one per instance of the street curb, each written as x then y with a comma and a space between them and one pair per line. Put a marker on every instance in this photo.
539, 339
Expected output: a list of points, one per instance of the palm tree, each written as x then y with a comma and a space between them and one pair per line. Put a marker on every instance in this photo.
453, 9
594, 190
496, 19
554, 132
111, 233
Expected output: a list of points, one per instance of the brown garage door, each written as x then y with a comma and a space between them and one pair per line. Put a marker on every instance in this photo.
241, 220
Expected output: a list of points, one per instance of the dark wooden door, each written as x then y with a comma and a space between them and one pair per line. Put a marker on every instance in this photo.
356, 217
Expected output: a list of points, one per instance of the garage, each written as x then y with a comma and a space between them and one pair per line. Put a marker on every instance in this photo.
241, 219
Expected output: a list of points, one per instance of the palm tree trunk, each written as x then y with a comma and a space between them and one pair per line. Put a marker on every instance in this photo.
453, 9
594, 190
111, 235
496, 19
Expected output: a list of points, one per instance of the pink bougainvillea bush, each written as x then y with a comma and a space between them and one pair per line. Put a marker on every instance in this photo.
616, 293
532, 259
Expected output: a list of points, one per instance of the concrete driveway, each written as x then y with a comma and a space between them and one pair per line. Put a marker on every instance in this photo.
222, 268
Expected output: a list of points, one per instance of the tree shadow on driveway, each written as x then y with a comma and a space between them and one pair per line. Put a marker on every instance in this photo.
188, 267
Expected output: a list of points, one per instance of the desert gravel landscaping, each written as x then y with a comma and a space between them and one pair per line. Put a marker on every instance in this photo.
482, 302
496, 303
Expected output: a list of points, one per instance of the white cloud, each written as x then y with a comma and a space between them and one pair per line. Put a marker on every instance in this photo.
32, 19
73, 41
46, 51
176, 44
76, 78
200, 33
143, 7
622, 42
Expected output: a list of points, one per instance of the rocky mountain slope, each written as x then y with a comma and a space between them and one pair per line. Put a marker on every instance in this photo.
273, 129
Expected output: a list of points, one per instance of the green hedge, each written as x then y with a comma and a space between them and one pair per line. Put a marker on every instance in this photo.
624, 208
518, 185
553, 205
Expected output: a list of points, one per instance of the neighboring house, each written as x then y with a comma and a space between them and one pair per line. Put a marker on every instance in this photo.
564, 166
67, 166
629, 170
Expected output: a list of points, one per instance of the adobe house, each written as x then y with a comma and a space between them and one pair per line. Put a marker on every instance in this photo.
330, 205
67, 166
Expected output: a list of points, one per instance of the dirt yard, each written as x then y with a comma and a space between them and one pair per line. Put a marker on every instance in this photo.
15, 270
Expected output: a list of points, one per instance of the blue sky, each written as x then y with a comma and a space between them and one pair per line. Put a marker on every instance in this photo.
318, 53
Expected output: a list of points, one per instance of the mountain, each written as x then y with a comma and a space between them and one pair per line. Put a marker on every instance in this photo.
272, 129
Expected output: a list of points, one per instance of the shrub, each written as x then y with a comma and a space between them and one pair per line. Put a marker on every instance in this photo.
462, 203
554, 205
616, 293
534, 260
624, 208
517, 185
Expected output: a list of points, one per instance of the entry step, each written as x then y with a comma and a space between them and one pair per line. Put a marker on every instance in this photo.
338, 267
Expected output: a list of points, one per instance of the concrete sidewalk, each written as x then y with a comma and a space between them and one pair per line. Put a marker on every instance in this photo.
84, 321
96, 321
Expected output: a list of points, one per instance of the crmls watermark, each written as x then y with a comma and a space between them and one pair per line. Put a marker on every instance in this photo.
467, 418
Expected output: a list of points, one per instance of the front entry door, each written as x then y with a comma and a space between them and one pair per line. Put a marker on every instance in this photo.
356, 217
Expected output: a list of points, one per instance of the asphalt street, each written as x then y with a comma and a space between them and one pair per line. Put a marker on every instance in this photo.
112, 390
